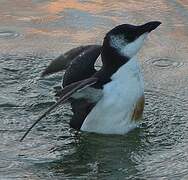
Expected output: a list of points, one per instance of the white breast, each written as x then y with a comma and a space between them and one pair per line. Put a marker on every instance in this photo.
112, 114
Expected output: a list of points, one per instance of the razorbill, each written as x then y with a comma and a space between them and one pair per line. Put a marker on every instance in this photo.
110, 100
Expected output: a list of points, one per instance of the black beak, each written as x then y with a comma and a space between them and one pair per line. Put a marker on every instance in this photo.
150, 26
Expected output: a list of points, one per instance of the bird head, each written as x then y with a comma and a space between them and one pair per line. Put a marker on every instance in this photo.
127, 39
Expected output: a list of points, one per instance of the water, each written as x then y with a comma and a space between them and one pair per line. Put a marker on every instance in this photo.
34, 32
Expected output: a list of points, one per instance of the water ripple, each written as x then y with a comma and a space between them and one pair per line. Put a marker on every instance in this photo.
165, 62
8, 34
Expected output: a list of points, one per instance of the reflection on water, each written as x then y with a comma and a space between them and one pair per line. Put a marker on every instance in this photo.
100, 156
34, 32
61, 5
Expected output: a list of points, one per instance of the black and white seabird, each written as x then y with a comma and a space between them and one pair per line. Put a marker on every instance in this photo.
110, 100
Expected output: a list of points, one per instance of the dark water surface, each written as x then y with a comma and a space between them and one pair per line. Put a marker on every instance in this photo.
34, 32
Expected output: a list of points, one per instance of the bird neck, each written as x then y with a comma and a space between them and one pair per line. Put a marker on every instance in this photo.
112, 61
111, 57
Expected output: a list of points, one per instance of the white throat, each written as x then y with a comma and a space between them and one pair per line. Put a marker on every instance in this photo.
125, 48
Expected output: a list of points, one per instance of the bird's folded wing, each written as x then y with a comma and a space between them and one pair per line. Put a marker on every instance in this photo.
63, 61
64, 96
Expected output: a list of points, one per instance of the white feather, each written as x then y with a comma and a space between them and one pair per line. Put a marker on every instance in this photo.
125, 48
112, 114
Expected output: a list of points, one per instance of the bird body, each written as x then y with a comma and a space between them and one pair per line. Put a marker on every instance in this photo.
113, 113
110, 100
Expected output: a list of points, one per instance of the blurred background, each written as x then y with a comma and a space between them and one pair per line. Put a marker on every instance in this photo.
32, 33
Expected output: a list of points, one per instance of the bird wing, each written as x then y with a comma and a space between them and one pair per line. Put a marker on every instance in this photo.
63, 61
65, 95
82, 66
